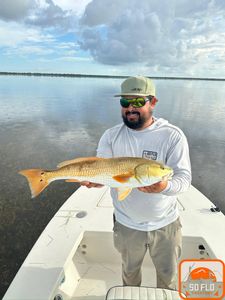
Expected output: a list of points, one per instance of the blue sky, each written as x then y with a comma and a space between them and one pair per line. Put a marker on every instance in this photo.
118, 37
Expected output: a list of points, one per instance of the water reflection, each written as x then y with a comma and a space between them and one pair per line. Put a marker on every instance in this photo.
198, 107
48, 120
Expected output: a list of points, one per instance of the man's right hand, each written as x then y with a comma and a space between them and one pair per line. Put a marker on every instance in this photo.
89, 184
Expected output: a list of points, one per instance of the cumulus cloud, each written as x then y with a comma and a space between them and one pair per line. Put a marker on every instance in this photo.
177, 35
50, 15
98, 12
15, 9
158, 33
77, 6
134, 33
40, 13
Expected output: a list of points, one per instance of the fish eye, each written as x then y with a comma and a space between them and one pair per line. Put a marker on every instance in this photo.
162, 168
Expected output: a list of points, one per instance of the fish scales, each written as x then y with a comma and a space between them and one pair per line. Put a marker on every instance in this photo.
125, 172
96, 168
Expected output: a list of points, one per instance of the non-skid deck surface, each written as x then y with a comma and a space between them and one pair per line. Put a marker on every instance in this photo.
92, 287
99, 267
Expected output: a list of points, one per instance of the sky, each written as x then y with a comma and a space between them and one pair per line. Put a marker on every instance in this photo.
114, 37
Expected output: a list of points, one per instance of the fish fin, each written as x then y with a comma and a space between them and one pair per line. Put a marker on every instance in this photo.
72, 180
123, 178
36, 180
123, 192
75, 160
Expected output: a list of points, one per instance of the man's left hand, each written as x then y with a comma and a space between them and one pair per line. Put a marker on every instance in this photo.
154, 188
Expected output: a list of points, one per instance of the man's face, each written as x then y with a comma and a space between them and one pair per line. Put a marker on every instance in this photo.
137, 118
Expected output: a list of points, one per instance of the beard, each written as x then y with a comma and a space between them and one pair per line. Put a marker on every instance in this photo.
138, 123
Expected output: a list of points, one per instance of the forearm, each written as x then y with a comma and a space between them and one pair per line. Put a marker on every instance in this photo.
178, 184
178, 159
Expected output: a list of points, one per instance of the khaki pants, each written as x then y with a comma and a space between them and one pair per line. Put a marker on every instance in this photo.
164, 246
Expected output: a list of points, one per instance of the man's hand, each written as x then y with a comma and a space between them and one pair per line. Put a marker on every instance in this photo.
89, 184
154, 188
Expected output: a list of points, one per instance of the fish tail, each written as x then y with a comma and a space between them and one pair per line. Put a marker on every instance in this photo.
36, 179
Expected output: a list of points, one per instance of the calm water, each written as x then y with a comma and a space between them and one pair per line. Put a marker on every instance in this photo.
47, 120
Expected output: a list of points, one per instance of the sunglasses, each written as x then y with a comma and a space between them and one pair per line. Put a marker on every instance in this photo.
135, 102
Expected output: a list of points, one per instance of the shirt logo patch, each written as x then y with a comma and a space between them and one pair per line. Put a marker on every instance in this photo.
150, 155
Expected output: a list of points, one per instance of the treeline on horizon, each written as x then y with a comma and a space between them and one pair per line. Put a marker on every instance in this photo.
60, 74
103, 76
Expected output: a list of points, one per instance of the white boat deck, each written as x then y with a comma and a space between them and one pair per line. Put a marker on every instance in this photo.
72, 250
102, 260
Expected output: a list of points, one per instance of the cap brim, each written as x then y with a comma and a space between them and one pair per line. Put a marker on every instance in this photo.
131, 94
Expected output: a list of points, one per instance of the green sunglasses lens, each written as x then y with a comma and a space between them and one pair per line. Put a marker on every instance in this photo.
136, 102
139, 102
124, 102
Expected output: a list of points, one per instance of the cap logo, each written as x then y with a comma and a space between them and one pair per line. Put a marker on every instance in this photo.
136, 89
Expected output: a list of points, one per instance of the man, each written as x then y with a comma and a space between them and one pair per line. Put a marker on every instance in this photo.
148, 219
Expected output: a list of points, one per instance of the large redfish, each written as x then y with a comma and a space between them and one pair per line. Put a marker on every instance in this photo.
123, 173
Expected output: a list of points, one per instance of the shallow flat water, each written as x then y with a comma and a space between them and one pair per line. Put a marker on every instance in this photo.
45, 120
